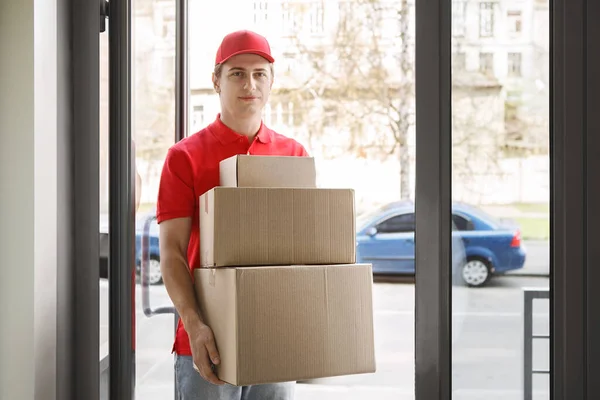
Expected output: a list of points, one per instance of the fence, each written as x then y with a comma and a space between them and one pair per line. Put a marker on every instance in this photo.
528, 337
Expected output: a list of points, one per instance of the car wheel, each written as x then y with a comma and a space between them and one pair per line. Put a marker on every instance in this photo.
154, 274
476, 272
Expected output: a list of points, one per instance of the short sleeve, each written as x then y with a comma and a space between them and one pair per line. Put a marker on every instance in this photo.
176, 189
303, 152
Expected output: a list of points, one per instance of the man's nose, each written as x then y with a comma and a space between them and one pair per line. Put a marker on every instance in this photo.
250, 83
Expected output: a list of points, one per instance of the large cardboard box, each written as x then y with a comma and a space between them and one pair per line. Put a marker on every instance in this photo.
277, 226
268, 171
289, 323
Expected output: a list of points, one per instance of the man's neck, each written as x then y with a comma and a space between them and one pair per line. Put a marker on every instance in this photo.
248, 127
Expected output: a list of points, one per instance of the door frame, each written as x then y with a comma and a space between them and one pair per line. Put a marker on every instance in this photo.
575, 164
575, 194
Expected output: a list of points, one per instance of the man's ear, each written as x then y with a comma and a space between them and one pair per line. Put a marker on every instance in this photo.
215, 81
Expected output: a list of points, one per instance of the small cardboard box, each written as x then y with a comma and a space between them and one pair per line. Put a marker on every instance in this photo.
276, 226
289, 323
268, 171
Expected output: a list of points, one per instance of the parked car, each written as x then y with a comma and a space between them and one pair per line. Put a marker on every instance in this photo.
481, 244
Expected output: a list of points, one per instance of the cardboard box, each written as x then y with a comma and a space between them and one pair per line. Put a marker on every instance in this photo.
268, 171
277, 226
278, 324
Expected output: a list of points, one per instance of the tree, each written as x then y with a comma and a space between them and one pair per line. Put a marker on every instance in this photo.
154, 88
361, 81
360, 89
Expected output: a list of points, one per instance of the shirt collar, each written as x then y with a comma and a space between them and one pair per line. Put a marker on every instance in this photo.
226, 135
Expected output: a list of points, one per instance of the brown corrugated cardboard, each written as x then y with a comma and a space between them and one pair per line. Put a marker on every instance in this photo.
288, 323
268, 171
277, 226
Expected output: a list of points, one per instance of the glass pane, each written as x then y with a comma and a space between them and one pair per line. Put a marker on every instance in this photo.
344, 89
501, 180
153, 119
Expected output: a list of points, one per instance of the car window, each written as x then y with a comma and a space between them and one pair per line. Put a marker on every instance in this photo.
398, 224
461, 224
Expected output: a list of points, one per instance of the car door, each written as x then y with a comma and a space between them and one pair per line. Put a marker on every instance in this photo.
390, 245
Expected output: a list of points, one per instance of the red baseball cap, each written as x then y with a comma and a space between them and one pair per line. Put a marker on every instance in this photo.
243, 42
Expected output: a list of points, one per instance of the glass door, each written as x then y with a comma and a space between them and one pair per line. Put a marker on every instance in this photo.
500, 129
141, 87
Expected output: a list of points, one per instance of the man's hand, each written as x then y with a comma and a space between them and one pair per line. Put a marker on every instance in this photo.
204, 352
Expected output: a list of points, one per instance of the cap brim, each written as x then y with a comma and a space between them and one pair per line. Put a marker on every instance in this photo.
264, 55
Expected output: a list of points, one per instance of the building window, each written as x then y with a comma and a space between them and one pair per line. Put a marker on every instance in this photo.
486, 63
261, 12
486, 19
288, 19
317, 17
514, 64
198, 118
515, 22
459, 8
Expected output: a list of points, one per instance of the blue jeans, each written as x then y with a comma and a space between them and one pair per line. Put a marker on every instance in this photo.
191, 386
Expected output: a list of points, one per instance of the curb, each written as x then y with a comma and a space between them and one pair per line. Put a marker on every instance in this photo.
528, 275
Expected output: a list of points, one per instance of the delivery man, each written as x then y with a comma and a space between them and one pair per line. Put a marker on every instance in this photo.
243, 78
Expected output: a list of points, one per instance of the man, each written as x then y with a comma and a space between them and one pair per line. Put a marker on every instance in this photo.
243, 78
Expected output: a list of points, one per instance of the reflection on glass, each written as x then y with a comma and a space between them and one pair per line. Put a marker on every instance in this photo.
500, 154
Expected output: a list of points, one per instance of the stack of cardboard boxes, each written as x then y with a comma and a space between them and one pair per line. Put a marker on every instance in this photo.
279, 285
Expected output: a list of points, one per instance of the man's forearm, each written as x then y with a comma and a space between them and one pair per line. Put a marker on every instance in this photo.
177, 281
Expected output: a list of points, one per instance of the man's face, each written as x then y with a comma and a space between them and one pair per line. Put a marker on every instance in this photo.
244, 85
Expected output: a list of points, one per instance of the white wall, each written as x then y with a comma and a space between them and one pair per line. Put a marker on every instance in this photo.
28, 205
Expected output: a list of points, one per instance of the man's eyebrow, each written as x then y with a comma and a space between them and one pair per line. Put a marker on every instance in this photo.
244, 69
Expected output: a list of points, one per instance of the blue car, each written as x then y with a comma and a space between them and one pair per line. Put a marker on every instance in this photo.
482, 245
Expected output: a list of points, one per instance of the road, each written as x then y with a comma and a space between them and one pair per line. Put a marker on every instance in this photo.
487, 345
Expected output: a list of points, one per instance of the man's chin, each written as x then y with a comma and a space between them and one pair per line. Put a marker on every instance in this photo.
250, 110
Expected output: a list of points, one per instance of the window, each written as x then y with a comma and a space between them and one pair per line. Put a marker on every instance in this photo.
515, 21
261, 13
168, 23
486, 63
288, 19
198, 118
459, 8
486, 19
514, 64
317, 17
461, 223
398, 224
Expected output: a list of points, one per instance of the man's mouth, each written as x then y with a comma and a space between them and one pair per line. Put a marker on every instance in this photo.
248, 98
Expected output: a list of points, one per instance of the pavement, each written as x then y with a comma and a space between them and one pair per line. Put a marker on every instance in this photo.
487, 345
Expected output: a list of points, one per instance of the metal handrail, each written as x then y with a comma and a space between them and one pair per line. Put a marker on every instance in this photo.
528, 296
145, 262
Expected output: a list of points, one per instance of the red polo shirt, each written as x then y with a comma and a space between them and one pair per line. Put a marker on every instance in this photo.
191, 168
